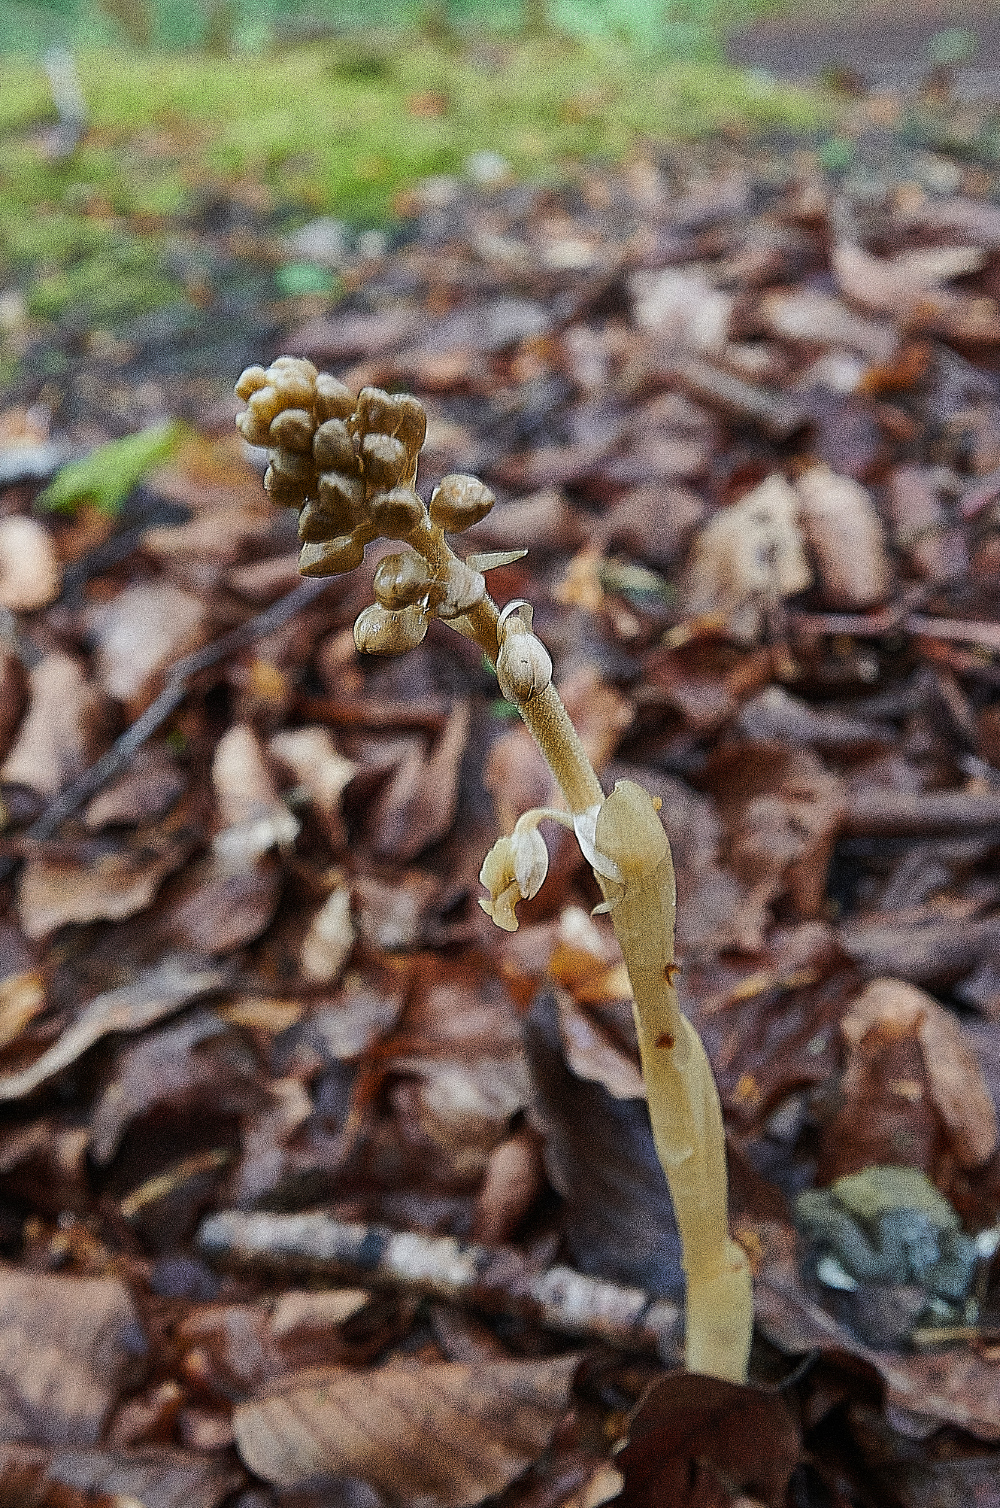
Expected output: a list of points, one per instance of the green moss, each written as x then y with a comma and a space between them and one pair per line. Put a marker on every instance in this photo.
339, 127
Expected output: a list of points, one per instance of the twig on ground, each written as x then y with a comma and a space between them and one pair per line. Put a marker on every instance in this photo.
493, 1278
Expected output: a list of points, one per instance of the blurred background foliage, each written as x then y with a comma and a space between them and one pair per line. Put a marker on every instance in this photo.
674, 27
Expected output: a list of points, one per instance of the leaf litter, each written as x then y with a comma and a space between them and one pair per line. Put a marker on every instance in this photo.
743, 411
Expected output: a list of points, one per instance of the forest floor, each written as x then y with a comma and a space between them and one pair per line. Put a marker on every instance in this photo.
738, 398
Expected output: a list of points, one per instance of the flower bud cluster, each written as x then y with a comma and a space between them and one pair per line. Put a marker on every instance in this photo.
347, 464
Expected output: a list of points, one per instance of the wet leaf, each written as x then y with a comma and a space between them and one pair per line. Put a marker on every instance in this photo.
694, 1441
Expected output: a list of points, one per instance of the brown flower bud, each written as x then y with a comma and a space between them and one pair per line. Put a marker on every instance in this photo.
264, 405
333, 399
376, 412
458, 502
254, 429
251, 380
384, 461
292, 464
283, 491
293, 430
397, 513
340, 502
411, 425
401, 580
295, 380
332, 557
333, 447
523, 667
381, 632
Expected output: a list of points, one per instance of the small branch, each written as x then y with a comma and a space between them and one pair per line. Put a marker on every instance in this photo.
176, 688
876, 813
497, 1279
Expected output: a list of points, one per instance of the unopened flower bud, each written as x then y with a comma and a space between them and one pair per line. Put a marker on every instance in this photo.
291, 464
333, 399
458, 502
465, 588
333, 447
523, 667
397, 513
293, 430
379, 631
295, 380
332, 557
411, 423
251, 380
339, 505
384, 461
401, 580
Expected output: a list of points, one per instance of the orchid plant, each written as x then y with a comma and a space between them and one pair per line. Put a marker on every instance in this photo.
349, 465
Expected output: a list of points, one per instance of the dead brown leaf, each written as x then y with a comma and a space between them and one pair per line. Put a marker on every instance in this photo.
439, 1435
157, 993
846, 538
30, 577
32, 1477
139, 634
955, 1081
62, 731
418, 805
69, 1344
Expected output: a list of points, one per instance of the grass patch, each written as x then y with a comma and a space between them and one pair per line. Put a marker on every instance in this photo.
339, 127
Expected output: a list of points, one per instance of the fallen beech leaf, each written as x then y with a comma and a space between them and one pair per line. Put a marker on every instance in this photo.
327, 945
251, 815
139, 634
320, 769
513, 1180
62, 730
846, 538
895, 286
22, 996
67, 1345
13, 695
806, 314
747, 559
175, 1071
108, 884
147, 790
957, 1087
683, 307
157, 993
694, 1441
93, 1478
443, 1435
29, 570
417, 806
934, 547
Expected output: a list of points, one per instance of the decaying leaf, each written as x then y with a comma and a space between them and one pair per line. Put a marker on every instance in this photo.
747, 559
891, 1008
61, 732
320, 769
67, 1345
846, 538
140, 633
106, 882
417, 807
599, 1155
30, 577
157, 993
438, 1435
327, 945
695, 1441
33, 1477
